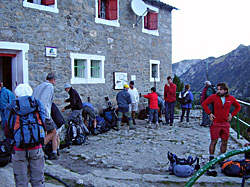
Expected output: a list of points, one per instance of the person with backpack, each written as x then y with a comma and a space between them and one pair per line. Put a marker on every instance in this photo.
170, 98
44, 92
123, 100
221, 117
186, 98
89, 111
153, 106
26, 120
6, 96
207, 91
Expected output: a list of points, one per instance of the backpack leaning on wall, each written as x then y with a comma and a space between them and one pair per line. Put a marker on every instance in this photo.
25, 124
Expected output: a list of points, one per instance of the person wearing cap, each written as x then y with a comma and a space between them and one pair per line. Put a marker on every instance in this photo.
75, 102
6, 96
123, 99
133, 107
207, 91
44, 92
29, 163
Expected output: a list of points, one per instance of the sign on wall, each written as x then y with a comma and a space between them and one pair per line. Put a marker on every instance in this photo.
120, 78
51, 51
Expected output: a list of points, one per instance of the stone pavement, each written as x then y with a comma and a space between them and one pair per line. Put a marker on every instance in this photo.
135, 157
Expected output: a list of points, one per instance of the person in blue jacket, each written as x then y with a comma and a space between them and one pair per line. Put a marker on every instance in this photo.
6, 96
186, 106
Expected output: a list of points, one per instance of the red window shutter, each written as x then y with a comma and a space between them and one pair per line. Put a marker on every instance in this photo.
153, 21
146, 21
111, 9
99, 8
48, 2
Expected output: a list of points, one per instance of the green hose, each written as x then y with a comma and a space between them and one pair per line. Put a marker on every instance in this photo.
222, 157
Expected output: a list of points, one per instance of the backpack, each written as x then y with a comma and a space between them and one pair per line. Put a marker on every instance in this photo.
25, 123
142, 114
75, 133
210, 91
237, 168
101, 125
182, 167
184, 97
5, 152
110, 116
57, 116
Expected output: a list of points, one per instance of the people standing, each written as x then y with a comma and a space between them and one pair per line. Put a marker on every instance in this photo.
27, 157
186, 102
123, 100
170, 98
153, 106
221, 116
6, 96
207, 91
44, 92
133, 107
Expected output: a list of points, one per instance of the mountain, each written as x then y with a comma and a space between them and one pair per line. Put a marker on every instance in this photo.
232, 68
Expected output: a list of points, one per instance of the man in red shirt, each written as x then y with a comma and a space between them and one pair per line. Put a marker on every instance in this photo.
153, 106
222, 102
170, 98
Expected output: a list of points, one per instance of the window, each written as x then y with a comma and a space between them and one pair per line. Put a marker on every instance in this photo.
46, 5
107, 12
150, 21
87, 69
154, 70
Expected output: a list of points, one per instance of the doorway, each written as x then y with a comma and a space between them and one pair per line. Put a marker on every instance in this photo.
5, 71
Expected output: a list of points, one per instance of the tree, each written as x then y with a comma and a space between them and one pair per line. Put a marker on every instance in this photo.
178, 83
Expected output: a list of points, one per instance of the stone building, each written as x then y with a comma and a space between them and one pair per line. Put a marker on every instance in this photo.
95, 45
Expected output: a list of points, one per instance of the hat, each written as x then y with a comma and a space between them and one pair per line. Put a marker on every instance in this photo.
126, 86
132, 82
51, 76
67, 85
23, 90
208, 83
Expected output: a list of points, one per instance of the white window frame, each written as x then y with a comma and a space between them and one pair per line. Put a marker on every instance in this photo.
157, 62
50, 8
114, 23
88, 79
147, 31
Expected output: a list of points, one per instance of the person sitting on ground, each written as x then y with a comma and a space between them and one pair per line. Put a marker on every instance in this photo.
123, 100
28, 163
44, 92
153, 106
185, 107
89, 111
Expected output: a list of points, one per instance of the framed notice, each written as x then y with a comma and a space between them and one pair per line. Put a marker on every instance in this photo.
51, 51
120, 78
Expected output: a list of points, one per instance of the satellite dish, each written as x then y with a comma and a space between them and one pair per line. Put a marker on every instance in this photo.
138, 7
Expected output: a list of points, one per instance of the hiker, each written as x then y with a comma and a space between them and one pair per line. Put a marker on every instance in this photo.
27, 158
153, 106
6, 96
247, 154
221, 117
133, 107
170, 98
44, 92
89, 111
75, 102
161, 107
123, 100
207, 91
186, 102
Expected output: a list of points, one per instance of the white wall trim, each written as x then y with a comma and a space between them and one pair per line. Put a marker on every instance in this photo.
158, 69
50, 8
114, 23
88, 80
21, 49
147, 31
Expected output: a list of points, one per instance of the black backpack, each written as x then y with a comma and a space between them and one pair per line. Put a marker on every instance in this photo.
184, 98
5, 152
75, 133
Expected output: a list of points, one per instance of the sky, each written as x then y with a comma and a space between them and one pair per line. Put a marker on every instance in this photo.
204, 28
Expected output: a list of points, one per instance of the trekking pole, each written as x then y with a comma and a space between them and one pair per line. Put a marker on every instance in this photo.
222, 157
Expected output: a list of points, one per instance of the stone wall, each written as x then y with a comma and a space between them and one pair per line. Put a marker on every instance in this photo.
73, 29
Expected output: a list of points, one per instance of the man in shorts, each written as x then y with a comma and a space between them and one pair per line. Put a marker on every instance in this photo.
221, 117
89, 111
133, 107
44, 92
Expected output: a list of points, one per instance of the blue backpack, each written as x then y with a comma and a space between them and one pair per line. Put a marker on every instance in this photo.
26, 125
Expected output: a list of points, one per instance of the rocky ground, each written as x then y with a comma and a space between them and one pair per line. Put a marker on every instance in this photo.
135, 157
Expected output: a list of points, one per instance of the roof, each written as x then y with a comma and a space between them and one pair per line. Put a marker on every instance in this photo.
161, 4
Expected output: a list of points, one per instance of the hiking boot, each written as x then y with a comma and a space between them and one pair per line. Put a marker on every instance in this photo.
95, 132
211, 158
58, 152
53, 156
134, 122
171, 124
